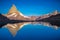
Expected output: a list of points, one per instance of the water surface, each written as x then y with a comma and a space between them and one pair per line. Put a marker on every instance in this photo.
30, 31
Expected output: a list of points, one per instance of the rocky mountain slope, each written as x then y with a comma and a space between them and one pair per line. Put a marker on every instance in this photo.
53, 19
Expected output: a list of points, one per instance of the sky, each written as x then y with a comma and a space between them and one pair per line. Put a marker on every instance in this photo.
30, 7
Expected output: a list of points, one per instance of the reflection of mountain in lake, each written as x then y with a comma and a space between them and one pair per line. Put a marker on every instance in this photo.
48, 24
13, 28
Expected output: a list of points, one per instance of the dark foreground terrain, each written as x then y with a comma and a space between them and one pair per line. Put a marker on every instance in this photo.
53, 20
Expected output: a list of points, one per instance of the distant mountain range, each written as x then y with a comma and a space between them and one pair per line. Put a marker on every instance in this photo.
53, 19
14, 14
53, 16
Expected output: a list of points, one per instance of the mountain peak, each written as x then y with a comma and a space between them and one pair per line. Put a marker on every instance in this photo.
15, 14
55, 12
13, 9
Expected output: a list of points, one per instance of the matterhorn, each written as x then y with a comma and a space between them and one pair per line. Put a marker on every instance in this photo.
14, 14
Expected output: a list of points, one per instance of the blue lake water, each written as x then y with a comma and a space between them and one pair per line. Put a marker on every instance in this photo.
31, 32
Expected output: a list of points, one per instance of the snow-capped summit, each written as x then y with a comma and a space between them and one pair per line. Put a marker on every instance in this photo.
15, 14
